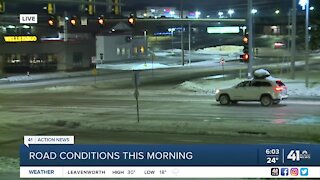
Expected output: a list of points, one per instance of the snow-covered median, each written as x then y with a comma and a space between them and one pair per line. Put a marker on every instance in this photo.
299, 89
149, 66
207, 85
218, 50
134, 66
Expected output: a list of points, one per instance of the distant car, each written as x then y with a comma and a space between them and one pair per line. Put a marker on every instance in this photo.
267, 90
279, 45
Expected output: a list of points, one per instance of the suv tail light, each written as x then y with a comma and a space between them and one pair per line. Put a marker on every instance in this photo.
278, 89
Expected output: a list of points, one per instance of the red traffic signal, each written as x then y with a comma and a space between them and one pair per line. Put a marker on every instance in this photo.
132, 21
244, 57
73, 21
245, 44
101, 21
51, 21
245, 40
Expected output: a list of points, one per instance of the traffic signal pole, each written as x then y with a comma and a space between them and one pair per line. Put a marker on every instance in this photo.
250, 35
182, 38
65, 27
293, 38
307, 45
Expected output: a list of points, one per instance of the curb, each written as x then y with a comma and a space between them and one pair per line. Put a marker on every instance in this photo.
310, 98
7, 81
4, 81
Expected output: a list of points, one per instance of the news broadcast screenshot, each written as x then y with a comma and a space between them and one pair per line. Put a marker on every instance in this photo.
180, 89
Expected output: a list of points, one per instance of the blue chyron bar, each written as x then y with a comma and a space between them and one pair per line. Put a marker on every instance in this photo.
169, 155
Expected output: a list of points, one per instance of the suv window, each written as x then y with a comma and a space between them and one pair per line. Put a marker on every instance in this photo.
279, 83
244, 84
260, 84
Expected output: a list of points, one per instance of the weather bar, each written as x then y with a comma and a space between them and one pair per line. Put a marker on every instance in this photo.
60, 157
169, 172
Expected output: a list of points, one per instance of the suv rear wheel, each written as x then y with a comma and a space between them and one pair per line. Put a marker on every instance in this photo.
234, 102
276, 102
224, 99
266, 100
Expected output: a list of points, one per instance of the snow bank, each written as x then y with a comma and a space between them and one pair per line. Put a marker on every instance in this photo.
220, 49
18, 78
67, 88
299, 89
196, 87
149, 66
168, 52
134, 66
230, 50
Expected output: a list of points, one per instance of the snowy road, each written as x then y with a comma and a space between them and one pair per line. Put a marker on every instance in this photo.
162, 110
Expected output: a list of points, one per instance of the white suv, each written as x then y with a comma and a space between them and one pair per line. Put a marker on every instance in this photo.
267, 90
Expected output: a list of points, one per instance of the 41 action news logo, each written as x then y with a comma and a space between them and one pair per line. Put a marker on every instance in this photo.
297, 155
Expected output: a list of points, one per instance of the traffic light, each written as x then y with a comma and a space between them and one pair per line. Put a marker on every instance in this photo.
116, 8
51, 8
245, 56
101, 20
90, 7
2, 7
52, 21
74, 21
132, 21
245, 44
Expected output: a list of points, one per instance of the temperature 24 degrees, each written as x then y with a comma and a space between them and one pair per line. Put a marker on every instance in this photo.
272, 160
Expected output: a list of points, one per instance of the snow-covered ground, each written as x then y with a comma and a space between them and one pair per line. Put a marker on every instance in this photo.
299, 89
228, 52
210, 55
134, 66
39, 76
218, 50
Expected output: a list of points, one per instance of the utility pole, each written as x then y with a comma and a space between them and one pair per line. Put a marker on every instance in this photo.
250, 36
293, 38
307, 44
145, 34
189, 42
109, 6
65, 27
182, 38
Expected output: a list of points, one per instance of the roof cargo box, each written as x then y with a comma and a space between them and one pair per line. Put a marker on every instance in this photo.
261, 74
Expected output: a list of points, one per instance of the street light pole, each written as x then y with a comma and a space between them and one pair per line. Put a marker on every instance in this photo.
293, 38
172, 40
250, 34
307, 44
189, 43
65, 27
182, 38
